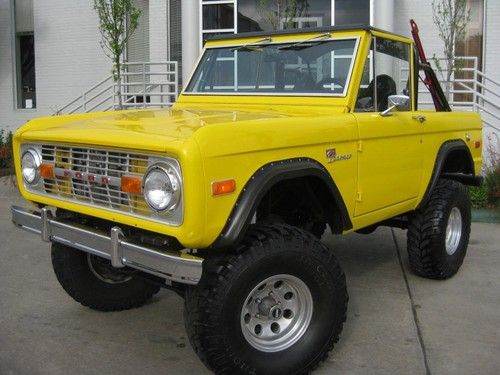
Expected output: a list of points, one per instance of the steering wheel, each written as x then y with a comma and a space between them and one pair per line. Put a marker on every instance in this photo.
330, 80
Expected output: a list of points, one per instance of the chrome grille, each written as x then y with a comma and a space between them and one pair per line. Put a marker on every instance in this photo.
93, 176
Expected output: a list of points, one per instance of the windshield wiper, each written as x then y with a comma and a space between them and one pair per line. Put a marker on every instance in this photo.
306, 43
253, 46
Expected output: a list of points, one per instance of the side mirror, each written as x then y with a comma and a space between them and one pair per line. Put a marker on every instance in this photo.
398, 102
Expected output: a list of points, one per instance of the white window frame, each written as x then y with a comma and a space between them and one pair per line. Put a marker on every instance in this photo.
234, 29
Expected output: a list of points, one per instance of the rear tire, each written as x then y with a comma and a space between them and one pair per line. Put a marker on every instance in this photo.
94, 283
438, 232
276, 306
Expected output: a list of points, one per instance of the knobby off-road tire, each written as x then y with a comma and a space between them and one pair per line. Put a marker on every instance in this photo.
275, 306
305, 222
94, 283
317, 228
438, 233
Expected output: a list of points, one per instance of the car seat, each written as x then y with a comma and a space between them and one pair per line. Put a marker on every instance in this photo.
385, 87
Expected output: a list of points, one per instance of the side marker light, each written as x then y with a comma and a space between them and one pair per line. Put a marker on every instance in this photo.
223, 187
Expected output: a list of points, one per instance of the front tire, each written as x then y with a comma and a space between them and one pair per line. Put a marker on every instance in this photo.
276, 306
94, 283
438, 233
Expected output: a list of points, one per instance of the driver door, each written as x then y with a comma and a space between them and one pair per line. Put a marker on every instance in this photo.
390, 145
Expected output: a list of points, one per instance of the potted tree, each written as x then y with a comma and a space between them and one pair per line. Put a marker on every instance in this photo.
118, 19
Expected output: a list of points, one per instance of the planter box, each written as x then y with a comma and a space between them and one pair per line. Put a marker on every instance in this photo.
6, 171
5, 152
483, 215
6, 161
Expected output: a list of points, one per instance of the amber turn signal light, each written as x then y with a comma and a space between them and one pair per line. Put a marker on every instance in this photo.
47, 170
131, 184
223, 187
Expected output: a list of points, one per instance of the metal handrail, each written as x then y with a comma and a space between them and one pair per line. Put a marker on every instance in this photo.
80, 97
483, 109
488, 78
484, 90
103, 95
104, 100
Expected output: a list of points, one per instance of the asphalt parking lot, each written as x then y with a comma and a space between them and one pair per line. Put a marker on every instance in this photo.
397, 323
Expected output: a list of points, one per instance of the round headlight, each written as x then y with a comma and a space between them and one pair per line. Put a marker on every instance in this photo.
162, 187
30, 166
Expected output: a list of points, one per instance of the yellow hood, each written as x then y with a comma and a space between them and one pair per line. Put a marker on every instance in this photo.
144, 129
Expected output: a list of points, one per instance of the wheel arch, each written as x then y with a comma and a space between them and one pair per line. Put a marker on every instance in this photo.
268, 176
453, 161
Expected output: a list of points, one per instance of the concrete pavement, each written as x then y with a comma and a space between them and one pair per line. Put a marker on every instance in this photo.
397, 322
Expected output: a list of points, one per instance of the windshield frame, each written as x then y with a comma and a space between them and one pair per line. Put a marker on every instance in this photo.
356, 38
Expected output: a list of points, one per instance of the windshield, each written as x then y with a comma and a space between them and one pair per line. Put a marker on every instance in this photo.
309, 67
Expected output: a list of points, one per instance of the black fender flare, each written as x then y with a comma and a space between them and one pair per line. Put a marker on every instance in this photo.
260, 183
446, 149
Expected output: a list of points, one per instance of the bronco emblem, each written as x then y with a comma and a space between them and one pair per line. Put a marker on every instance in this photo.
331, 155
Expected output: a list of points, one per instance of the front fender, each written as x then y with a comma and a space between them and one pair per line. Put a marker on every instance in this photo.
260, 183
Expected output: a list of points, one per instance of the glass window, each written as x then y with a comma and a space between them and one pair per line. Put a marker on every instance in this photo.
470, 47
348, 12
388, 73
472, 44
218, 16
308, 67
25, 55
268, 15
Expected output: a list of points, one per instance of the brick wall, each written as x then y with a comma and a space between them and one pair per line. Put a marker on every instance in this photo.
421, 12
69, 58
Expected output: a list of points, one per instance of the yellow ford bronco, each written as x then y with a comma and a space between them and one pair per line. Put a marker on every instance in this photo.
224, 197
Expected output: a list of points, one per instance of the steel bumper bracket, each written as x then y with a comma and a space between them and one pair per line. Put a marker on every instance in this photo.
45, 215
116, 250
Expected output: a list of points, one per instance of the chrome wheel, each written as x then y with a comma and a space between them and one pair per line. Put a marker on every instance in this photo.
276, 313
104, 271
453, 231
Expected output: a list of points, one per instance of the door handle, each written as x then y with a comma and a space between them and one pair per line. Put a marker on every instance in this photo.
419, 118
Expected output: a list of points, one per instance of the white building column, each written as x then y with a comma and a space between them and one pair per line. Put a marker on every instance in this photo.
383, 14
158, 30
158, 46
191, 37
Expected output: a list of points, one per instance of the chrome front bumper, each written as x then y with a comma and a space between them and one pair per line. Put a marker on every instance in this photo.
111, 246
